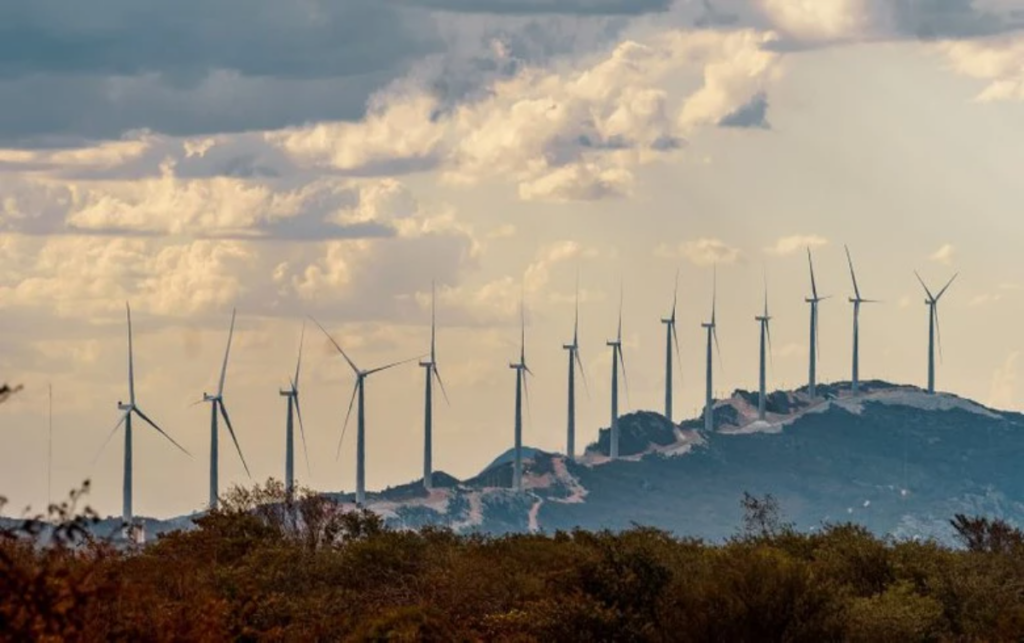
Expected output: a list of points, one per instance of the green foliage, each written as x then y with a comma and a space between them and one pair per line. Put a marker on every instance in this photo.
272, 566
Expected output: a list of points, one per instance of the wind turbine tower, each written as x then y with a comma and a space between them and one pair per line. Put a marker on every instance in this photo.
431, 372
671, 337
934, 331
766, 341
617, 360
128, 410
712, 334
856, 300
574, 362
521, 370
359, 390
813, 300
294, 409
217, 404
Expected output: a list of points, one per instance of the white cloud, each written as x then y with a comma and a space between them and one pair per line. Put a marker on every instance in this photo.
943, 255
570, 135
1003, 389
702, 252
998, 60
820, 20
788, 245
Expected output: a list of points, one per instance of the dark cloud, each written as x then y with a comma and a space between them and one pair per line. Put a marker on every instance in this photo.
928, 19
185, 40
71, 73
753, 115
567, 7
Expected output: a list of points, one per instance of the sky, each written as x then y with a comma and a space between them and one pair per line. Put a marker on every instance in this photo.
334, 158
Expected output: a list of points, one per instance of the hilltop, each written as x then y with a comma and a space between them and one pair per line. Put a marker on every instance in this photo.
892, 458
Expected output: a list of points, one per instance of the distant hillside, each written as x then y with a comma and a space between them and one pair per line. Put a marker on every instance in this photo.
893, 458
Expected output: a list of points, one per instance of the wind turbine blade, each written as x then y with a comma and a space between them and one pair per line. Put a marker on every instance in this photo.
619, 336
131, 356
227, 352
298, 363
576, 319
151, 423
679, 358
938, 330
355, 369
583, 373
437, 374
234, 438
853, 275
675, 297
946, 287
625, 378
768, 332
921, 281
393, 364
718, 349
433, 321
522, 329
302, 432
348, 414
526, 392
714, 294
196, 403
814, 284
110, 437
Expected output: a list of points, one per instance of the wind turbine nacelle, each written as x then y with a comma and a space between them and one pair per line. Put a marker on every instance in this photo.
568, 347
426, 364
667, 321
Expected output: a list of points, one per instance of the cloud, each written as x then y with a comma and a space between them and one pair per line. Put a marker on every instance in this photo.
789, 245
943, 255
999, 61
985, 299
1003, 389
568, 7
572, 135
702, 252
753, 115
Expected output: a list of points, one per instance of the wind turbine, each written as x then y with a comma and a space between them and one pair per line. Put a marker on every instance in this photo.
294, 409
856, 300
617, 360
813, 300
671, 337
766, 337
359, 391
129, 409
521, 370
574, 361
711, 327
933, 326
430, 372
217, 403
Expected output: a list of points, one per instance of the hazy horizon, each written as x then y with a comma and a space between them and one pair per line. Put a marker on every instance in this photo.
334, 159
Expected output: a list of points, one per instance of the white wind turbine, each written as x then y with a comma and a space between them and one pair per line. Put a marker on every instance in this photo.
933, 326
359, 391
856, 300
130, 409
522, 370
217, 404
617, 360
766, 344
671, 337
294, 410
574, 362
712, 332
813, 300
431, 372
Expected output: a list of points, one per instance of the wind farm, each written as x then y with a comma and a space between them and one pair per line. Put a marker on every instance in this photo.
765, 410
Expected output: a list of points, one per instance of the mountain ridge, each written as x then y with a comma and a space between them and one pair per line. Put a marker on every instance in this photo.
894, 458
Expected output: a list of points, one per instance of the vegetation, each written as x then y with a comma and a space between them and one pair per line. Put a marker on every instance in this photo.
265, 567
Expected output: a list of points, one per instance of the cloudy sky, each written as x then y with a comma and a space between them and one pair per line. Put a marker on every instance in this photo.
332, 158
